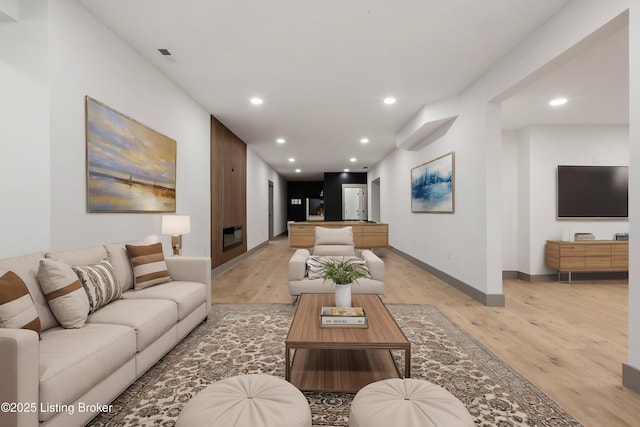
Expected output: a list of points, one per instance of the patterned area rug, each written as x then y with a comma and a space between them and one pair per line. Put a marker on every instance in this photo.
245, 339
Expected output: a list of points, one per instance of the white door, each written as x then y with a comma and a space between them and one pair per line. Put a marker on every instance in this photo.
354, 201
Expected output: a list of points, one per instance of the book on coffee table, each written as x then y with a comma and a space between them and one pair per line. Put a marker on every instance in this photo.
342, 311
352, 317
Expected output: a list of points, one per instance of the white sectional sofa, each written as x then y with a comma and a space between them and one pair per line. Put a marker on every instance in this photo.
65, 377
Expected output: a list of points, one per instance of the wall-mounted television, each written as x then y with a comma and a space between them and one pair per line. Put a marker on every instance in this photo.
595, 192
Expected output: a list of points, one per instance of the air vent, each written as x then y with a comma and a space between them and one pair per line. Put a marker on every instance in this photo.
165, 52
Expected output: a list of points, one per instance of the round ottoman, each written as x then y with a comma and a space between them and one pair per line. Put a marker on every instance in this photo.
247, 400
407, 402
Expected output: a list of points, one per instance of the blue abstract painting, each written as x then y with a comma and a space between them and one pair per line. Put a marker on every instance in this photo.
432, 186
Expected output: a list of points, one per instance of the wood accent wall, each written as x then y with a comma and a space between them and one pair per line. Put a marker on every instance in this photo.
228, 190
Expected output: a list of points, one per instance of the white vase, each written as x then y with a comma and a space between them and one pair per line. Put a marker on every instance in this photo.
343, 295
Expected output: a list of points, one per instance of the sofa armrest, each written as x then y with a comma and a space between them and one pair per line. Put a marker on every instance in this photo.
374, 263
298, 264
19, 376
191, 269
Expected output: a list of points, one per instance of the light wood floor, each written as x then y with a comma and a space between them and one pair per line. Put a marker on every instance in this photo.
570, 340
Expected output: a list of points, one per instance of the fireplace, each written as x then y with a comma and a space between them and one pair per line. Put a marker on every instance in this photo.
231, 237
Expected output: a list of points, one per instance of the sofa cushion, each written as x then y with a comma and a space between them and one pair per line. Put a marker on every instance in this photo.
16, 306
319, 286
64, 292
316, 265
84, 256
334, 236
149, 267
150, 317
26, 266
99, 282
117, 255
187, 295
338, 250
72, 361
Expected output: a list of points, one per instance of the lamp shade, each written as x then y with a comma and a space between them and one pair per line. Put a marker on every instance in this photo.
176, 224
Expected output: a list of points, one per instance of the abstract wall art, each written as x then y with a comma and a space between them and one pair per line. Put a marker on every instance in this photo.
433, 186
130, 167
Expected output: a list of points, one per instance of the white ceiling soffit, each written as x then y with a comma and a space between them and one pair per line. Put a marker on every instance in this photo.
9, 10
429, 124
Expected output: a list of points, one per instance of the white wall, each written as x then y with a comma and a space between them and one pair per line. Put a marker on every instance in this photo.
634, 187
62, 58
88, 59
530, 160
473, 235
258, 176
24, 132
509, 201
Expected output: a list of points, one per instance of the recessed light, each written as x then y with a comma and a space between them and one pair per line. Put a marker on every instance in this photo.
256, 101
558, 101
297, 170
364, 140
353, 159
280, 140
346, 170
389, 100
291, 159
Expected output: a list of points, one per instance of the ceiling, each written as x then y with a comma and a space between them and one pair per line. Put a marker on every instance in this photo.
324, 67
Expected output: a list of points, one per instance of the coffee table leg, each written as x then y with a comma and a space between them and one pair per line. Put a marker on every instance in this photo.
287, 367
407, 363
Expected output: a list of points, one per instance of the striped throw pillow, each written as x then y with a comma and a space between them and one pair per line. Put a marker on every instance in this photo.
149, 266
64, 293
99, 282
17, 310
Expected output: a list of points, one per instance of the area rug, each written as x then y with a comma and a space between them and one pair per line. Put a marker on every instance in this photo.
249, 338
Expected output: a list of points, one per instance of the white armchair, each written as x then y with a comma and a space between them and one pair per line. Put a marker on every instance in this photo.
333, 242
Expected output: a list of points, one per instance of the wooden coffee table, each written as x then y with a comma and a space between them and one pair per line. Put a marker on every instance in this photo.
343, 359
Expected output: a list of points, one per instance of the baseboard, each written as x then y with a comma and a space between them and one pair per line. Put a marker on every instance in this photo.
219, 269
631, 377
519, 275
510, 275
490, 300
564, 277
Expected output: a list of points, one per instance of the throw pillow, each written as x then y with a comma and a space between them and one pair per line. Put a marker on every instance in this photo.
17, 310
99, 282
149, 266
316, 264
64, 293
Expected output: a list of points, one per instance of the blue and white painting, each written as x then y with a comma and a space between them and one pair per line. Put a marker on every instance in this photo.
432, 186
130, 167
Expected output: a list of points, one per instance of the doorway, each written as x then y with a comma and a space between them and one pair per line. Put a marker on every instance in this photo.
270, 210
375, 200
354, 202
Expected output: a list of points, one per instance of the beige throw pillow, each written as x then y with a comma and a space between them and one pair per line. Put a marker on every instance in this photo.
149, 266
64, 293
17, 310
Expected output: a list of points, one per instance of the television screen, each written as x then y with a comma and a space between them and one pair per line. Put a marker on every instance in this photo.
592, 192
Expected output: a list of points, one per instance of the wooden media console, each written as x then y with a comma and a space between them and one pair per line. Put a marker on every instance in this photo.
588, 255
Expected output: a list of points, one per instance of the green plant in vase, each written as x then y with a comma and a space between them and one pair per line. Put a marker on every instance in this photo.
343, 274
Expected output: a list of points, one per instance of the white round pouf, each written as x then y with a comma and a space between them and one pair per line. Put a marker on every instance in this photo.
407, 402
255, 400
